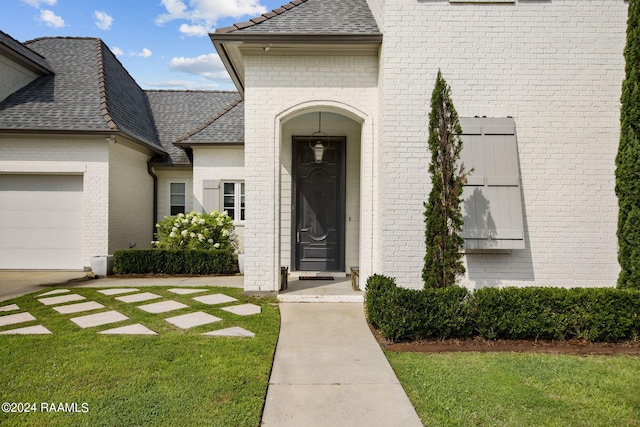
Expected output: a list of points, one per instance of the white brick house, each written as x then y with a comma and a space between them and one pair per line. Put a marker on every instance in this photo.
69, 151
536, 83
554, 67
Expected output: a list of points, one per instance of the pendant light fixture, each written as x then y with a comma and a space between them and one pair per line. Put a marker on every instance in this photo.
316, 141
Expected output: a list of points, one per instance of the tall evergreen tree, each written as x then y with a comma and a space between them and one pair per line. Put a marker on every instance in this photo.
443, 211
628, 158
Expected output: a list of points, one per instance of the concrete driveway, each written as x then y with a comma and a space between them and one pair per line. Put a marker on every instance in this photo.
14, 283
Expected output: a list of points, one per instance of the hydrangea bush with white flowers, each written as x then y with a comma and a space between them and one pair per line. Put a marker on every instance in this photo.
196, 230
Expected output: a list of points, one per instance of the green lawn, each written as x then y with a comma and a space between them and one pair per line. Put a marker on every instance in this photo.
520, 389
178, 377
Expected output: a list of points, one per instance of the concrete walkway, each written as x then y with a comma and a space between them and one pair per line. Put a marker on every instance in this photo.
15, 283
330, 371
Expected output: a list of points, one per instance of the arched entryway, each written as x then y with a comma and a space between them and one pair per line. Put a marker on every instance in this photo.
320, 212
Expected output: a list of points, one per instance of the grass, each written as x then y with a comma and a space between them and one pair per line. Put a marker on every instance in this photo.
520, 389
178, 377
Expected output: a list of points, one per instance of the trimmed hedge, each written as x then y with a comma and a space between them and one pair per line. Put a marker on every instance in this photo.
169, 261
592, 314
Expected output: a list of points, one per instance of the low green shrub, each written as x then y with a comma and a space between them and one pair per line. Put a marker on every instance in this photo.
440, 313
378, 289
592, 314
172, 261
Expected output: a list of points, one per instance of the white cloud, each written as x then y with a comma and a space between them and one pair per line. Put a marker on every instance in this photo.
38, 3
51, 19
103, 20
203, 14
195, 30
209, 66
144, 53
176, 10
117, 51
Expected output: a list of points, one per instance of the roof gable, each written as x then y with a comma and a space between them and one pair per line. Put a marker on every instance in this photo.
226, 127
67, 100
179, 114
312, 17
90, 92
22, 54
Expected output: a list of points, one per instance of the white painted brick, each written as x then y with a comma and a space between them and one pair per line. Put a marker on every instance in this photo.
130, 198
557, 68
278, 87
87, 157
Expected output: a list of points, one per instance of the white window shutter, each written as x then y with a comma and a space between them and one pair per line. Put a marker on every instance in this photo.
492, 205
211, 195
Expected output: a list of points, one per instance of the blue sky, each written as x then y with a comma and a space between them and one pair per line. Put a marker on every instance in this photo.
162, 43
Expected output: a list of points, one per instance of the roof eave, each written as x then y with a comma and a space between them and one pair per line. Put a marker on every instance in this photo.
83, 132
228, 44
24, 61
152, 147
186, 144
54, 131
164, 165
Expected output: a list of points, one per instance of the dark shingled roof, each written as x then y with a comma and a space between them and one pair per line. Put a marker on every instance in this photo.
24, 52
89, 92
312, 17
179, 114
227, 127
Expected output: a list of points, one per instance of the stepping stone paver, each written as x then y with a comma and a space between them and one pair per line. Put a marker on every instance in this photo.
191, 320
61, 299
235, 331
10, 307
54, 292
117, 291
12, 319
214, 299
185, 291
98, 319
29, 330
145, 296
135, 329
77, 308
243, 309
162, 307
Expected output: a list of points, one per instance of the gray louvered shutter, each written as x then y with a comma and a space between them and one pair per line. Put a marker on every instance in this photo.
492, 204
211, 196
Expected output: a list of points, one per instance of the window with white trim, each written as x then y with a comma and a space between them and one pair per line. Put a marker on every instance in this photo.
492, 203
177, 198
233, 199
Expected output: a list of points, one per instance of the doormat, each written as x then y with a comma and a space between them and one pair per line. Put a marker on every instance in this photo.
315, 278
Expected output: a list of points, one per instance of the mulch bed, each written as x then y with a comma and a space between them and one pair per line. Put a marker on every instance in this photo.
478, 344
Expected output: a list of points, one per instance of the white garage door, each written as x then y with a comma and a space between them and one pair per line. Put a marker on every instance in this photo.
41, 221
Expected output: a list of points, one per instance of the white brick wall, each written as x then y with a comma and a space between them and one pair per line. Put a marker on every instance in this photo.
557, 68
377, 9
130, 197
82, 156
225, 163
14, 77
278, 89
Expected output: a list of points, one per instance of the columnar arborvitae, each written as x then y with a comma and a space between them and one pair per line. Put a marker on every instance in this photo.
628, 158
443, 214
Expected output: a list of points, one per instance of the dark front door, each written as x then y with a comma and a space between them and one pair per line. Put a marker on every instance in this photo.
319, 203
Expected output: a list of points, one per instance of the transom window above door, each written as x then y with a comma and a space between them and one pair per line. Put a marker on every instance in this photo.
233, 199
